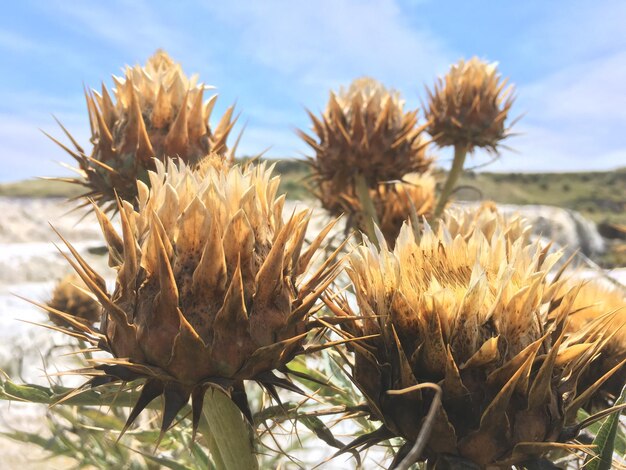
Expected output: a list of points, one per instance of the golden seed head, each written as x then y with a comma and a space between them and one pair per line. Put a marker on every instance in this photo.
476, 313
597, 300
210, 283
153, 111
469, 106
71, 296
364, 131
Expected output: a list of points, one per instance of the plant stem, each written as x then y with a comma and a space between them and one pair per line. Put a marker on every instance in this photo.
460, 152
228, 435
367, 208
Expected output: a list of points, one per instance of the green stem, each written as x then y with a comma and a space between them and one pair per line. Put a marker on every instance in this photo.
367, 207
460, 152
228, 435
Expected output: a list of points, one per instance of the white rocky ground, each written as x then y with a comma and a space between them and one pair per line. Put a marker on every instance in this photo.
30, 265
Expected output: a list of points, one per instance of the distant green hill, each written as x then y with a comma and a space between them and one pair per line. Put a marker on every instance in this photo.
40, 188
600, 196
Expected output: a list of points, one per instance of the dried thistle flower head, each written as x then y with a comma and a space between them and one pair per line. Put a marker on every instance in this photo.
478, 316
154, 111
364, 131
210, 289
469, 106
487, 219
71, 296
594, 302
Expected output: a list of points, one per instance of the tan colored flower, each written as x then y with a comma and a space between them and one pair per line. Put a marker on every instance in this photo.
478, 315
155, 111
212, 286
71, 296
394, 202
364, 131
594, 302
469, 106
487, 219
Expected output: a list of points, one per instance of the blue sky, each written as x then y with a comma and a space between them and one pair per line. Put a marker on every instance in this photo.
274, 57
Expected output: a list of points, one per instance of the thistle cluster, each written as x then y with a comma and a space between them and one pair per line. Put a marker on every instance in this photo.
154, 111
477, 314
365, 142
465, 337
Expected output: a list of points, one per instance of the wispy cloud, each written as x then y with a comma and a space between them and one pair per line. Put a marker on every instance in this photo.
326, 43
125, 24
585, 92
14, 42
26, 152
576, 111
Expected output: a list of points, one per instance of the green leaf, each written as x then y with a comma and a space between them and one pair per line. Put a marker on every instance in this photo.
620, 442
227, 433
106, 395
167, 463
604, 443
30, 393
316, 425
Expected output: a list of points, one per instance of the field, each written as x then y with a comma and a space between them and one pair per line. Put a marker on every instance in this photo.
599, 196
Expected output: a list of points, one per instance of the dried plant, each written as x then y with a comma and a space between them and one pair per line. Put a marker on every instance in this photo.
467, 347
71, 296
469, 106
594, 301
212, 288
155, 111
393, 203
479, 317
466, 109
487, 219
364, 138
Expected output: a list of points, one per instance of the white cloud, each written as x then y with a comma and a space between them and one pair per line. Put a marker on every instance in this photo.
588, 91
575, 119
322, 44
124, 24
579, 32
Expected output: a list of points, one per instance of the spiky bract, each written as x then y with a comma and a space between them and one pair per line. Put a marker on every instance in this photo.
469, 106
595, 300
209, 289
155, 111
71, 296
479, 317
364, 131
487, 219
